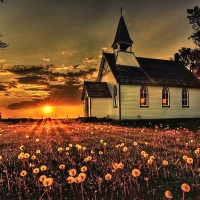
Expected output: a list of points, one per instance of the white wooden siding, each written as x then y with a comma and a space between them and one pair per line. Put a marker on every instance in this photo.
109, 78
130, 103
100, 107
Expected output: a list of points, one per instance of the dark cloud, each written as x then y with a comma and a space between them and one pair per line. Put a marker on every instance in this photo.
34, 79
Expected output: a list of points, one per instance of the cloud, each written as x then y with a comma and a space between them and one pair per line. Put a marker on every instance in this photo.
90, 59
46, 59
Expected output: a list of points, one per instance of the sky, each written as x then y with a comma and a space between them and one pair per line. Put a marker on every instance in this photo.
54, 45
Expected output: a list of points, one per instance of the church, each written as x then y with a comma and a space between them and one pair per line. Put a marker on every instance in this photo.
130, 87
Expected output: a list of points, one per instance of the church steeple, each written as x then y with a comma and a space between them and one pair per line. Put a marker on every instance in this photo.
122, 37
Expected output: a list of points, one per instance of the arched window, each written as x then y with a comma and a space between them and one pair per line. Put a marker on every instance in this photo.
165, 97
185, 97
143, 96
115, 97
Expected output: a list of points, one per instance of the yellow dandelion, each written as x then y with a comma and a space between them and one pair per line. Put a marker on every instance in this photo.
27, 136
165, 162
43, 168
125, 149
84, 148
62, 166
189, 160
136, 172
146, 155
185, 157
101, 141
115, 165
26, 155
135, 143
47, 182
22, 147
152, 157
67, 153
168, 194
37, 139
146, 143
108, 177
60, 149
121, 165
104, 143
143, 152
41, 179
38, 151
33, 157
77, 179
100, 152
122, 144
185, 187
72, 172
92, 151
70, 145
67, 148
83, 169
89, 158
150, 161
31, 165
20, 156
70, 179
0, 157
36, 170
23, 173
196, 151
82, 176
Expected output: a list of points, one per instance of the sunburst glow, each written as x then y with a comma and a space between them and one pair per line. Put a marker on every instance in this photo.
47, 109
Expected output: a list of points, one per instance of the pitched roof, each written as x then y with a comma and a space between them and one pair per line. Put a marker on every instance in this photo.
153, 72
122, 35
96, 90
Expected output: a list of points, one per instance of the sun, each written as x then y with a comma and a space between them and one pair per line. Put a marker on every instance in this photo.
47, 109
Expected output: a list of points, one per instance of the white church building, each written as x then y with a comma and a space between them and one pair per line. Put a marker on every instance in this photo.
130, 87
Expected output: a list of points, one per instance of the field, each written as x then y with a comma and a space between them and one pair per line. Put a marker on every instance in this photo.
98, 161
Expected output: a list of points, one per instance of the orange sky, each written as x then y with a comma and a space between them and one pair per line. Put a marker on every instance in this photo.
55, 45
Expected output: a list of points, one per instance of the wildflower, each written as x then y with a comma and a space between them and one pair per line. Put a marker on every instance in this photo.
150, 161
26, 155
101, 141
168, 194
36, 170
84, 148
135, 143
185, 187
85, 160
70, 145
165, 162
67, 153
72, 172
41, 179
89, 158
70, 179
77, 179
146, 155
92, 151
108, 177
31, 165
100, 152
23, 173
82, 176
60, 149
62, 166
47, 182
37, 139
104, 143
43, 168
186, 144
33, 157
0, 157
84, 169
185, 157
20, 156
136, 172
125, 149
122, 144
152, 157
121, 165
38, 151
115, 165
143, 152
189, 160
146, 143
196, 151
22, 147
67, 148
27, 136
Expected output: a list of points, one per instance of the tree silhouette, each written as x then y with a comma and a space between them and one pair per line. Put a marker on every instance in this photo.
2, 44
194, 18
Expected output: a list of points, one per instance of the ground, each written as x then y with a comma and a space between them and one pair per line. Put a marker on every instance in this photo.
99, 160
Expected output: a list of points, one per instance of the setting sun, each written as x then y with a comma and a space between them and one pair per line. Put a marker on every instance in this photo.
47, 109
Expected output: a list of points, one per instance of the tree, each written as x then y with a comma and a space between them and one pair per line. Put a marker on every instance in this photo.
194, 18
2, 44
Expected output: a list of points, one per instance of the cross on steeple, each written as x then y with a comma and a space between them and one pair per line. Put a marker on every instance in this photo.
121, 10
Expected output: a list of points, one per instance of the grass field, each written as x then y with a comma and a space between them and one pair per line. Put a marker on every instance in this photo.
98, 161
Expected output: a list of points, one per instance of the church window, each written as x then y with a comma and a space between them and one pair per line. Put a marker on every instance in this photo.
165, 97
185, 97
114, 97
143, 96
